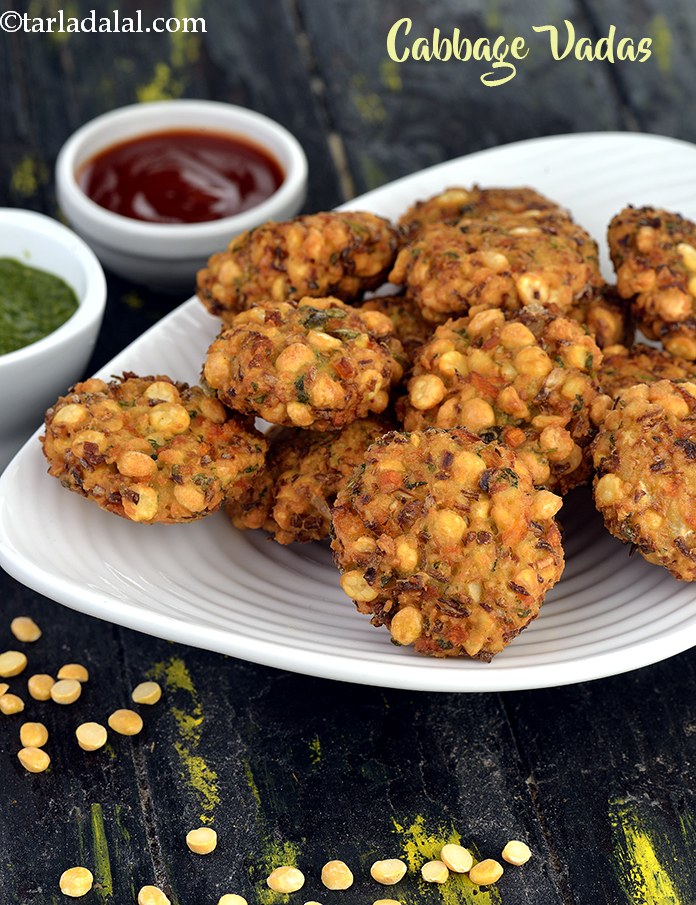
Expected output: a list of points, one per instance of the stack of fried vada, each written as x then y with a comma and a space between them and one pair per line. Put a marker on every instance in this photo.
428, 426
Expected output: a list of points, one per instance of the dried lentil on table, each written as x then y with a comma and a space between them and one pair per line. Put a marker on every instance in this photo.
147, 693
66, 691
11, 703
516, 852
486, 872
74, 671
285, 879
33, 735
202, 841
40, 685
12, 663
435, 872
34, 760
25, 629
76, 882
91, 736
125, 722
388, 872
151, 895
457, 858
336, 875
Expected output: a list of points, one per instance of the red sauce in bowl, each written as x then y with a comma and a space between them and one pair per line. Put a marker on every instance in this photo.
180, 176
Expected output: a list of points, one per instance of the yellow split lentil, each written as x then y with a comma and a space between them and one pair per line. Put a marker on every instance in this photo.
25, 629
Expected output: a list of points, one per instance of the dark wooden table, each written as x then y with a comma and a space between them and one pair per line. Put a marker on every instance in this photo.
598, 778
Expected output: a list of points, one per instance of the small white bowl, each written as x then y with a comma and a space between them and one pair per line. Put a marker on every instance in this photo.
33, 377
167, 255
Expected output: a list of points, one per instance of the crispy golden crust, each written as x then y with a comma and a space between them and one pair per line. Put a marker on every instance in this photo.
319, 364
443, 538
410, 328
341, 254
654, 254
293, 498
645, 487
607, 317
623, 368
529, 381
457, 203
500, 262
149, 449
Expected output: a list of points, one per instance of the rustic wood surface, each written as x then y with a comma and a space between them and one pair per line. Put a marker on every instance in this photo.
599, 778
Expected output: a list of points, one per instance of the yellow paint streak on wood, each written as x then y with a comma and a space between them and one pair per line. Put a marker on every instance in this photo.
163, 87
202, 779
50, 8
274, 854
175, 675
169, 78
390, 75
189, 719
132, 300
641, 875
104, 887
658, 30
421, 843
189, 724
185, 44
28, 176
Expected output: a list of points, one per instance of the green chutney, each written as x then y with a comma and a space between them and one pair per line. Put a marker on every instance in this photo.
33, 303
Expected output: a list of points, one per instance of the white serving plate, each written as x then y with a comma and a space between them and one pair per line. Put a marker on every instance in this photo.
211, 586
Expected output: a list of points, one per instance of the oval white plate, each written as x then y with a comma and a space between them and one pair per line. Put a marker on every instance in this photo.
211, 586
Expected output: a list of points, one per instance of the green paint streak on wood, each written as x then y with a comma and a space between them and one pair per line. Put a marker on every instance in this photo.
123, 839
421, 843
370, 107
492, 16
390, 75
315, 750
368, 103
687, 825
79, 820
102, 865
28, 176
125, 835
372, 172
189, 720
640, 873
658, 30
251, 783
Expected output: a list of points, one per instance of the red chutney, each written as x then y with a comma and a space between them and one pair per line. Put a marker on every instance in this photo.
180, 176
